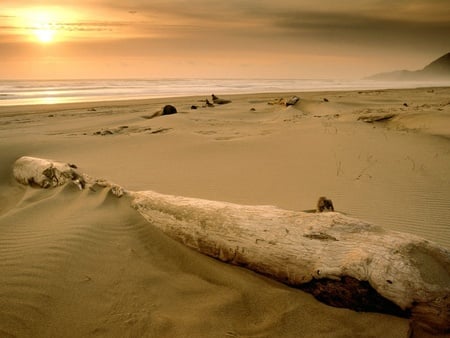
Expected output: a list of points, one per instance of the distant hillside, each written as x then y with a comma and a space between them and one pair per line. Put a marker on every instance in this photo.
439, 69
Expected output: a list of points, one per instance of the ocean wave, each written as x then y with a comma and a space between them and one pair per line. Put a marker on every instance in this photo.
35, 92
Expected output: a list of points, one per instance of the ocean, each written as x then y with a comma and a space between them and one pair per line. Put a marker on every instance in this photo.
27, 92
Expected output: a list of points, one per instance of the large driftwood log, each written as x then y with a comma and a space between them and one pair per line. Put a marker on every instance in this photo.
342, 260
299, 248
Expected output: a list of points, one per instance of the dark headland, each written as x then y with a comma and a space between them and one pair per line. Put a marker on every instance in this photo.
439, 69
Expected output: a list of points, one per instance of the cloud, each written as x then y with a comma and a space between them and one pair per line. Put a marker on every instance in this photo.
363, 28
401, 23
92, 26
298, 33
363, 22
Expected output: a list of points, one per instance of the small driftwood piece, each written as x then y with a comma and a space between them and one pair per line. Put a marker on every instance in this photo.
218, 100
49, 174
341, 260
46, 173
376, 117
292, 101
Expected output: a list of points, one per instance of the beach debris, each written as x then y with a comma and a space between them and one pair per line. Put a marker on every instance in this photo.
104, 132
252, 109
158, 131
218, 100
280, 101
44, 173
325, 99
376, 117
324, 204
169, 110
127, 130
405, 104
292, 101
341, 260
194, 106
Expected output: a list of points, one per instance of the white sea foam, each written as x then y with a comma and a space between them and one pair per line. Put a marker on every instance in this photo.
23, 92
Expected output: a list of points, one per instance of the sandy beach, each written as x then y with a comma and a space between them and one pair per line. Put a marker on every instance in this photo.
77, 264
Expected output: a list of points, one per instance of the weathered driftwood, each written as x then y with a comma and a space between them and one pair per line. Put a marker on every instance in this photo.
340, 259
292, 101
45, 173
371, 118
218, 100
49, 174
298, 248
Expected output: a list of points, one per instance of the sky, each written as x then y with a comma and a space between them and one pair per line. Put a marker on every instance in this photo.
321, 39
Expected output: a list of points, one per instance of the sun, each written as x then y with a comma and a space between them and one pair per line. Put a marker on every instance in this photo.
44, 35
43, 24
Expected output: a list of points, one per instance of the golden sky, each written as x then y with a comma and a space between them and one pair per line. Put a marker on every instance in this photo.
219, 39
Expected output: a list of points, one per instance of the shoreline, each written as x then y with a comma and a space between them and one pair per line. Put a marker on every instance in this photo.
142, 98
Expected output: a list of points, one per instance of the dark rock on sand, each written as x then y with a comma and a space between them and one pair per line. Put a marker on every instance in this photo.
169, 110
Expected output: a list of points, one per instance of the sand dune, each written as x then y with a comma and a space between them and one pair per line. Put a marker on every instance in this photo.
84, 264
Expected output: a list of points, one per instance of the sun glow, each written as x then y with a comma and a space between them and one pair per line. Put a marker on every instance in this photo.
44, 24
44, 35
